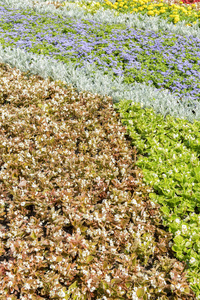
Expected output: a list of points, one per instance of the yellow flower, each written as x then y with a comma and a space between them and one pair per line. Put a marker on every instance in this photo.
109, 3
141, 8
189, 8
176, 19
184, 10
150, 13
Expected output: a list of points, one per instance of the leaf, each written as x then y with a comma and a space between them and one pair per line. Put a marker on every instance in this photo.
175, 248
179, 240
145, 297
165, 210
89, 258
59, 258
72, 286
105, 264
128, 284
83, 228
134, 259
140, 292
115, 280
105, 285
197, 173
187, 290
33, 235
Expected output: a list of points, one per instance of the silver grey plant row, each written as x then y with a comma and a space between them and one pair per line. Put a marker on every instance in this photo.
93, 80
163, 101
133, 20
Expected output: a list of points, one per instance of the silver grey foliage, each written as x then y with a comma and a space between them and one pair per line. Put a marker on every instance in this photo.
93, 80
133, 20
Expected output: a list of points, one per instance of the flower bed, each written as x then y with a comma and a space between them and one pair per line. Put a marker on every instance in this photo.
190, 1
98, 201
69, 189
172, 11
122, 51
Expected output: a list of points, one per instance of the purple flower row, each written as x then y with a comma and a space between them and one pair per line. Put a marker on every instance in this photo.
163, 59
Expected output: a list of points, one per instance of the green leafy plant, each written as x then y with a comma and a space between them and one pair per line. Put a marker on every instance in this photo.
170, 164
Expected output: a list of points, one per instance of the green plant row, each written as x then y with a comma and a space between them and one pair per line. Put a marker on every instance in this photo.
169, 151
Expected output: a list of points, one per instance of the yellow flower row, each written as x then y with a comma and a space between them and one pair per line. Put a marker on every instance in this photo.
173, 11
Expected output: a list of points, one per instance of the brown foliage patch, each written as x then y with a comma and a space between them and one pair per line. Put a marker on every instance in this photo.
73, 206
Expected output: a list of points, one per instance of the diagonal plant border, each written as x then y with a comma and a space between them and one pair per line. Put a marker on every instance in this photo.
162, 101
137, 20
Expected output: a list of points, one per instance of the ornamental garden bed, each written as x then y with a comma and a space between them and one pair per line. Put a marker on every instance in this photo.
99, 151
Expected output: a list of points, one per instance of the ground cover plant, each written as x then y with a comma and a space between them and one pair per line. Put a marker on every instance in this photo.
107, 189
169, 159
182, 196
172, 12
183, 2
173, 5
190, 1
76, 219
118, 49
